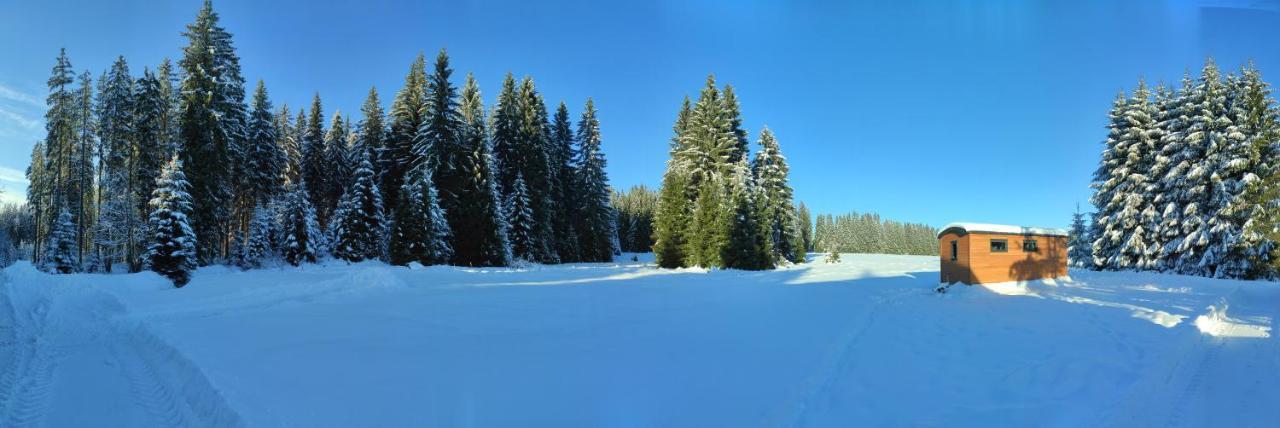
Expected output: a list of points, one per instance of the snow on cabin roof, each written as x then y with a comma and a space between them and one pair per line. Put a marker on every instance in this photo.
1002, 228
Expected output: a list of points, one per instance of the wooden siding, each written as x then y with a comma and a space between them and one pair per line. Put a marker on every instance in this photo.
980, 265
958, 270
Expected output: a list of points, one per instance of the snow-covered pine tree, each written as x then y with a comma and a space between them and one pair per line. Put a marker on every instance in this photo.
741, 147
61, 255
535, 167
672, 218
436, 143
212, 127
806, 227
522, 229
1136, 210
709, 230
479, 227
420, 232
315, 171
1240, 225
340, 166
1168, 172
777, 208
172, 248
1107, 183
747, 242
267, 161
405, 118
564, 191
119, 224
596, 227
78, 191
152, 144
259, 245
300, 240
359, 228
52, 158
1079, 245
1208, 125
371, 135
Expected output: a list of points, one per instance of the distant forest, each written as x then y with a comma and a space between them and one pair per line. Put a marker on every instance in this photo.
868, 233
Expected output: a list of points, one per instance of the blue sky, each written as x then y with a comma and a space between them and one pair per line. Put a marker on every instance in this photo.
933, 111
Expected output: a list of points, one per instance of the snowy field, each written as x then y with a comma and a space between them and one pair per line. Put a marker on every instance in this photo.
865, 342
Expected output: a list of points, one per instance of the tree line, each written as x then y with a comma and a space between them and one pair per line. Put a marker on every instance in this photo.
717, 207
636, 208
868, 233
1188, 180
173, 168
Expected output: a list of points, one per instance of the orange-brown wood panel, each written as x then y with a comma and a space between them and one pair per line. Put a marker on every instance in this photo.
1016, 264
954, 270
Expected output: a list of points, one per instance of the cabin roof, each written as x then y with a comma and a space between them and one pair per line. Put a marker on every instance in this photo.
961, 228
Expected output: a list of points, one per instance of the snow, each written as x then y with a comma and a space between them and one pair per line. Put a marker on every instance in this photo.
862, 342
1002, 228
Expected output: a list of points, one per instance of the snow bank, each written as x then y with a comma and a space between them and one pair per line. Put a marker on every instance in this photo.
1217, 323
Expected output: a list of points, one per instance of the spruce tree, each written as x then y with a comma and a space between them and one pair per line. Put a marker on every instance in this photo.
1079, 245
52, 187
1168, 172
1107, 181
806, 227
421, 231
1242, 225
521, 227
1135, 206
118, 223
672, 219
152, 143
1207, 130
172, 249
597, 230
405, 117
359, 228
478, 224
371, 135
340, 168
315, 170
267, 160
746, 242
564, 187
259, 245
60, 256
300, 240
777, 209
212, 127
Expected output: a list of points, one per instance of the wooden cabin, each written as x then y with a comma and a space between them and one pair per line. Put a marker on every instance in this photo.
975, 253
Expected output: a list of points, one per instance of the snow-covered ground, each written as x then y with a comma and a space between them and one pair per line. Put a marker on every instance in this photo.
864, 342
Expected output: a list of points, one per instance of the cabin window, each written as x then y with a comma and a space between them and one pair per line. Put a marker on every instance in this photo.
1029, 246
999, 245
953, 251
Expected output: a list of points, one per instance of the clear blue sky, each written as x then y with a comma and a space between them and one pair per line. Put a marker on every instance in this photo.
929, 111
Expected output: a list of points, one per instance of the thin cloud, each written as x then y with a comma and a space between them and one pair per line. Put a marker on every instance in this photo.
19, 96
12, 175
19, 119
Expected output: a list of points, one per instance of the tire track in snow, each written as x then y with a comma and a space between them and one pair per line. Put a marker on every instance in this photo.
148, 391
1195, 382
835, 362
27, 382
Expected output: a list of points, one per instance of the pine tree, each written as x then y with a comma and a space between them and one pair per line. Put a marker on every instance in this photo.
340, 168
152, 143
522, 230
118, 223
778, 212
51, 187
267, 161
1242, 225
1168, 172
1079, 244
1207, 129
300, 240
212, 127
62, 245
1135, 208
671, 222
371, 135
806, 227
740, 147
746, 240
597, 230
78, 192
172, 251
421, 231
359, 228
1108, 195
405, 117
478, 224
259, 245
564, 191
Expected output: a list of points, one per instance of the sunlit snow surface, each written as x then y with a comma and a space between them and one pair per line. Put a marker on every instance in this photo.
863, 342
